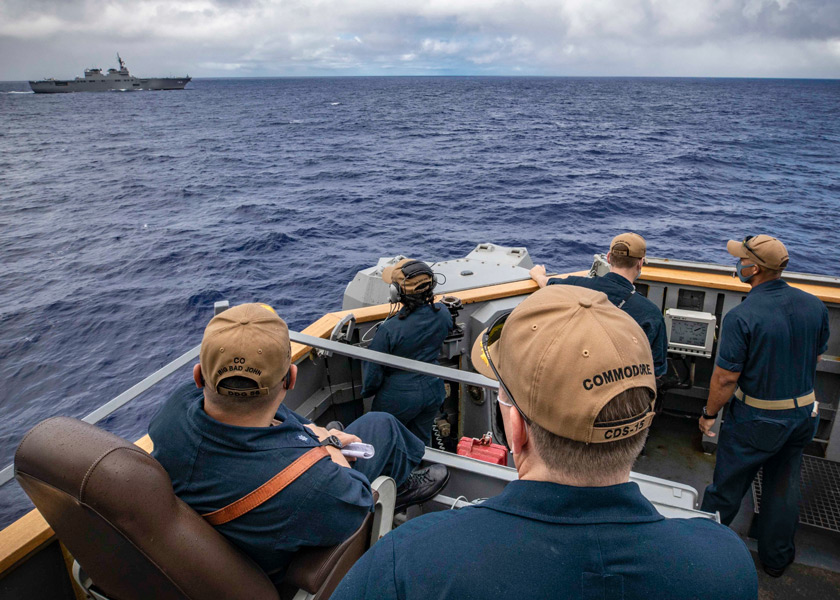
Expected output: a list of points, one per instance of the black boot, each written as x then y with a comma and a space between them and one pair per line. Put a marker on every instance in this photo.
778, 571
335, 425
421, 485
774, 571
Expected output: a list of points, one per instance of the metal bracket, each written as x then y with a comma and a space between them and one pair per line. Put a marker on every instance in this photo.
338, 335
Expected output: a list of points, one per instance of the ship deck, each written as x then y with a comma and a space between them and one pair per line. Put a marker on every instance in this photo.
673, 451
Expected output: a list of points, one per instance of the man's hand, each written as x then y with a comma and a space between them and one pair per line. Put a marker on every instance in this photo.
345, 438
721, 388
706, 426
537, 273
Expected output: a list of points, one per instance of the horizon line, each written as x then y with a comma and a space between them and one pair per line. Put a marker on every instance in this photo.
509, 76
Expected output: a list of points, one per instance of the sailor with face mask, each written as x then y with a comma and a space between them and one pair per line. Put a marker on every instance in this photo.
571, 525
764, 374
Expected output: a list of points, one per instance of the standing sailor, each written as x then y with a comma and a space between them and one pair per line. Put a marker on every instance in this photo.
765, 368
417, 332
626, 257
576, 397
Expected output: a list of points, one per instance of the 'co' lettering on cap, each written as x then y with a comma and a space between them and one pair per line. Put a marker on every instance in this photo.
249, 341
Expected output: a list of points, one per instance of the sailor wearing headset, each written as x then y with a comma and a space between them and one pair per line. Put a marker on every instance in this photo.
764, 374
572, 525
417, 332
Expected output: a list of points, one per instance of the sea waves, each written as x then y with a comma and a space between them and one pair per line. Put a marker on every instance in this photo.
124, 217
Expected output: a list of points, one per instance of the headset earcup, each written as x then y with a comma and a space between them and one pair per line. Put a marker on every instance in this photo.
394, 293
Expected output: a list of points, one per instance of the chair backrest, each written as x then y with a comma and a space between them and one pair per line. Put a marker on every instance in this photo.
113, 506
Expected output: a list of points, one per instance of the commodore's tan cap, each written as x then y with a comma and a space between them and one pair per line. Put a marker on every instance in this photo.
628, 244
564, 353
248, 340
764, 250
394, 274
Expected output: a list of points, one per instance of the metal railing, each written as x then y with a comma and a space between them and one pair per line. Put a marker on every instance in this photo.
343, 349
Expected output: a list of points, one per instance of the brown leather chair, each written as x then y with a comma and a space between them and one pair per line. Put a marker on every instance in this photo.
113, 506
315, 572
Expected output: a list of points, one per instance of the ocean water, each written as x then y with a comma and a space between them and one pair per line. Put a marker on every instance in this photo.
125, 216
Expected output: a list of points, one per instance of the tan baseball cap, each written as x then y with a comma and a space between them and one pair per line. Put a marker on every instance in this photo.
628, 244
563, 354
248, 340
394, 274
763, 250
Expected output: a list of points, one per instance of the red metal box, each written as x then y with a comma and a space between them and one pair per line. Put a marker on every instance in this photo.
483, 449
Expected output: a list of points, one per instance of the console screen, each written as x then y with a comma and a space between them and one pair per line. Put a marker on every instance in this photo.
690, 333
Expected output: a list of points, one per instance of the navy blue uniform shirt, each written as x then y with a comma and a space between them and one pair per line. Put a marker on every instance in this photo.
545, 540
212, 464
644, 312
773, 339
419, 337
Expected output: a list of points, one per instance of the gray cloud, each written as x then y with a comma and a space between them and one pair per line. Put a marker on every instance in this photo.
794, 38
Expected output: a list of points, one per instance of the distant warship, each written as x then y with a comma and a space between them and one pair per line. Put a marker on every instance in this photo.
116, 80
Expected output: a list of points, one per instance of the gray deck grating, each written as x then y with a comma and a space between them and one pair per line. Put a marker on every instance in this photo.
820, 504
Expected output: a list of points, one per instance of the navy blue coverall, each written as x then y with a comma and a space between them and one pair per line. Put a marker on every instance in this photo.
772, 339
545, 540
414, 399
212, 464
644, 312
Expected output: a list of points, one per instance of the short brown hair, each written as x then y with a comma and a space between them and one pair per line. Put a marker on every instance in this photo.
581, 460
623, 262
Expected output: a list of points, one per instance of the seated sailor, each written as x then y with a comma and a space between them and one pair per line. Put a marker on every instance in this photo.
576, 394
229, 438
417, 332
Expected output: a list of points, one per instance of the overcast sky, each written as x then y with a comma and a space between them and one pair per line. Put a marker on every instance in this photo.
226, 38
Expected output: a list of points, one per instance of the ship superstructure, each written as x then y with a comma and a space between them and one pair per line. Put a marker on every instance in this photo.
115, 80
490, 281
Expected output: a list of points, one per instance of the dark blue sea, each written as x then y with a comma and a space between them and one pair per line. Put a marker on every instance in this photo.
125, 216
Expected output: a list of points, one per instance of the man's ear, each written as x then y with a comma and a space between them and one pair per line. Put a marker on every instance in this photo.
518, 434
292, 378
199, 379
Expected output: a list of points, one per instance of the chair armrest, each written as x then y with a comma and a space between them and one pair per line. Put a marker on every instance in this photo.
385, 497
